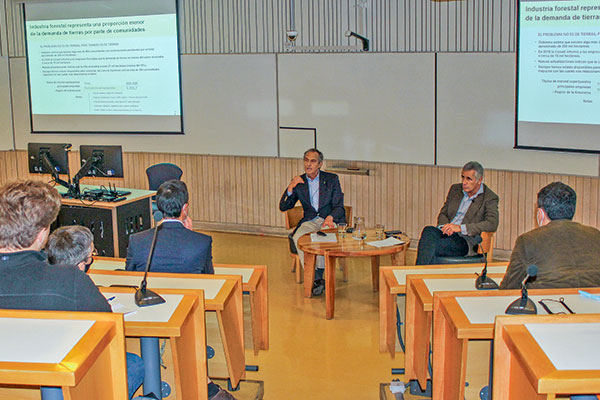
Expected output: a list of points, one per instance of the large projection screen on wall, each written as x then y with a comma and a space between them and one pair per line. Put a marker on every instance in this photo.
106, 66
558, 75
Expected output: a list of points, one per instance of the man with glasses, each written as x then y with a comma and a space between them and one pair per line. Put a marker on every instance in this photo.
71, 245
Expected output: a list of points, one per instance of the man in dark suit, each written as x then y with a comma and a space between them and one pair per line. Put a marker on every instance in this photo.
566, 253
178, 248
322, 199
470, 208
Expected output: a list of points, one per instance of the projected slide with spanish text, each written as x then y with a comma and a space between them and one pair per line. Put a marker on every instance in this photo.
559, 74
105, 67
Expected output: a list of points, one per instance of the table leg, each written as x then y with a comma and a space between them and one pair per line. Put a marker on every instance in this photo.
309, 273
399, 258
387, 317
151, 356
329, 286
51, 393
375, 272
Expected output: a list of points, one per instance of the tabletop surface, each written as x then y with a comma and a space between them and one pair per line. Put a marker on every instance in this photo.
211, 287
439, 285
400, 274
483, 310
111, 265
569, 346
39, 340
350, 245
135, 193
124, 302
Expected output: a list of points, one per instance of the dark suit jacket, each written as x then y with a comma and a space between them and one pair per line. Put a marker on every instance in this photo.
177, 249
331, 198
566, 253
482, 215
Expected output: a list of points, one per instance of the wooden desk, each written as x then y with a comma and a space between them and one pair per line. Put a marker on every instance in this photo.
254, 282
344, 247
459, 317
223, 303
393, 283
79, 352
181, 321
111, 223
419, 310
541, 356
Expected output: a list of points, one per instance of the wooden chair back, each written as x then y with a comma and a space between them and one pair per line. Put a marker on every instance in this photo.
294, 215
487, 245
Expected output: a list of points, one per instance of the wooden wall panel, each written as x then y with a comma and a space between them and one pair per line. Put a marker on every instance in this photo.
245, 191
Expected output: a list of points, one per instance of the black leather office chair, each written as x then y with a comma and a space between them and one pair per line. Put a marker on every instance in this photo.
160, 173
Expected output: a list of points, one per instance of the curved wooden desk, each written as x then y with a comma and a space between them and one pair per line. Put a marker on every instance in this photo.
345, 247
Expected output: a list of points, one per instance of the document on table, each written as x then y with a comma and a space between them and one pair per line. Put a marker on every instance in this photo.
391, 241
328, 238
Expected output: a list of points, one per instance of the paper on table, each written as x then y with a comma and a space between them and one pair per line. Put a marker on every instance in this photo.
329, 237
121, 309
391, 241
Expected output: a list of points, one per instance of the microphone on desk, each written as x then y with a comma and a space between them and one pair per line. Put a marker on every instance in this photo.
484, 282
524, 305
144, 297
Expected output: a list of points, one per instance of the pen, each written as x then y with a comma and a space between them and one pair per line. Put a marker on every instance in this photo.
111, 298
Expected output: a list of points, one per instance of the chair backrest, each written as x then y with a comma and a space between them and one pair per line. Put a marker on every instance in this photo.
487, 244
160, 173
294, 215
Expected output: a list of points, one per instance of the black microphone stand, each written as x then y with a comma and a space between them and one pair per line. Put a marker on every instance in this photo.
524, 305
484, 282
143, 296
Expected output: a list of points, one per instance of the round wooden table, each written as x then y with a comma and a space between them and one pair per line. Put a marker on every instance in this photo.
345, 247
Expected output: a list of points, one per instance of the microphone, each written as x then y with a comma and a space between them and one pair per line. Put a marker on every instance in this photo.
484, 282
144, 297
524, 305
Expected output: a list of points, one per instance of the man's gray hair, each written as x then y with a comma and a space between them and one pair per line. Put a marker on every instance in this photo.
69, 245
313, 150
474, 166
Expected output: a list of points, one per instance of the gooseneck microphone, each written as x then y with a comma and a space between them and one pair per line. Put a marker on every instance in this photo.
484, 282
524, 305
143, 296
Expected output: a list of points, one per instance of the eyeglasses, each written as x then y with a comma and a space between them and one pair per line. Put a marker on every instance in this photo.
551, 303
90, 260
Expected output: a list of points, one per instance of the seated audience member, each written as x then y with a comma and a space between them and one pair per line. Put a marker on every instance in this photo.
470, 208
178, 248
74, 246
322, 200
28, 281
566, 253
71, 245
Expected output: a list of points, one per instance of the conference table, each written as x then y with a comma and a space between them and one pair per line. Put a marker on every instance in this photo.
539, 357
345, 247
223, 305
69, 355
393, 286
462, 317
181, 320
419, 309
254, 283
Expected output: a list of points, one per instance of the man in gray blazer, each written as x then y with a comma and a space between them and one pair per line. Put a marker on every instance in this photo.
566, 253
470, 208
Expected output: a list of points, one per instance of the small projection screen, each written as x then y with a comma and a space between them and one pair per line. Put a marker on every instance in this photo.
558, 75
106, 66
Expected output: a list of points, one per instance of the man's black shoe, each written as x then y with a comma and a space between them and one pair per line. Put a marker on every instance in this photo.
318, 287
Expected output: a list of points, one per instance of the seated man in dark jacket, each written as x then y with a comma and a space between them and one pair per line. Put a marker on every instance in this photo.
178, 248
566, 253
470, 208
27, 280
